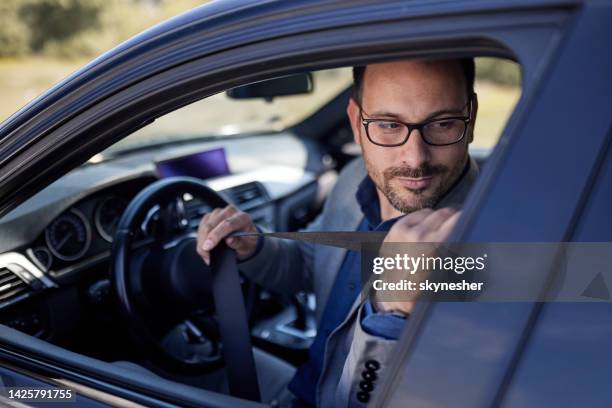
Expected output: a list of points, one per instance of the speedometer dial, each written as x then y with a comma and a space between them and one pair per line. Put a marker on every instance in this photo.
69, 236
107, 216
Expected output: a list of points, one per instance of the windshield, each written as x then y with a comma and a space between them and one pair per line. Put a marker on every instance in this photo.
219, 116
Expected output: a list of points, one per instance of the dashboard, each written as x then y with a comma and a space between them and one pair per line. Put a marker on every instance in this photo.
61, 238
83, 233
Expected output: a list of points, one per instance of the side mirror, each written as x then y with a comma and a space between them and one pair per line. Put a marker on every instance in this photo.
284, 86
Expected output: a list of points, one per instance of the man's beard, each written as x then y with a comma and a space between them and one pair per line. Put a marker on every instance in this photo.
421, 198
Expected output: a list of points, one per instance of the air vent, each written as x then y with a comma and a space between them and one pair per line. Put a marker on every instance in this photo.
11, 285
247, 195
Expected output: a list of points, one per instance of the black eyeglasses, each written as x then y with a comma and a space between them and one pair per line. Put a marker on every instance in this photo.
437, 132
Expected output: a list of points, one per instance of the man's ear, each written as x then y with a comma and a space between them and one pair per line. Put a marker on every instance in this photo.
473, 121
352, 110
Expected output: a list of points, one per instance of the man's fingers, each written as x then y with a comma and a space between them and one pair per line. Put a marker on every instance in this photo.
437, 226
204, 227
448, 225
207, 225
218, 224
217, 215
423, 226
240, 244
415, 218
206, 258
223, 229
436, 219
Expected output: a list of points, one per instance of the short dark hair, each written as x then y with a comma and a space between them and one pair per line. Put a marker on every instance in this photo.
467, 64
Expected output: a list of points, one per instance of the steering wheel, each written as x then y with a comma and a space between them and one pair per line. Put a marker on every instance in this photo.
164, 288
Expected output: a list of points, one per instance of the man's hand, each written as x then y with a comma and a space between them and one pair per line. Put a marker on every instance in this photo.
424, 226
221, 222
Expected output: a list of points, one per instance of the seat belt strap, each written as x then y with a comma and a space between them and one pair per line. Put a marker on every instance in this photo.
233, 324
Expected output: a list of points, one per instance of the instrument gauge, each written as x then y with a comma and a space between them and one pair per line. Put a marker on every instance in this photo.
69, 236
107, 216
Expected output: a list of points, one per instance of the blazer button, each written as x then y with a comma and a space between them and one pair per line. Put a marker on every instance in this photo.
372, 365
366, 386
363, 396
369, 375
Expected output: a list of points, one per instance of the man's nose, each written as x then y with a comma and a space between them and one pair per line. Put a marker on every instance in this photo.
415, 152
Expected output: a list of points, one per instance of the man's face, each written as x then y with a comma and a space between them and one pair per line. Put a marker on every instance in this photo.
414, 175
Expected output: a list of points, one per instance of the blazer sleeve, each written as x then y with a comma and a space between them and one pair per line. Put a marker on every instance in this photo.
354, 370
284, 266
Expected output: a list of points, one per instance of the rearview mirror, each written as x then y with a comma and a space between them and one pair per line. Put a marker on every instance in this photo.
284, 86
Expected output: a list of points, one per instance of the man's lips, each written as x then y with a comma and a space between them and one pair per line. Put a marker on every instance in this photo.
415, 183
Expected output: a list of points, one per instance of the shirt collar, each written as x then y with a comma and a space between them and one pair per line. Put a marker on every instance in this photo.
367, 197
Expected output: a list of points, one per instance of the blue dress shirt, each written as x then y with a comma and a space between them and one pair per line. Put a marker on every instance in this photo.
345, 290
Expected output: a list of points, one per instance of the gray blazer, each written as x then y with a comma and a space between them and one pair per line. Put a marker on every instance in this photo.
290, 266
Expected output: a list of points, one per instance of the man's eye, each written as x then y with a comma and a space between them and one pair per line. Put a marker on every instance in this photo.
443, 124
388, 125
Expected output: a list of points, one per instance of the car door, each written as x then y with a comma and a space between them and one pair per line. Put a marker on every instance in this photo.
550, 183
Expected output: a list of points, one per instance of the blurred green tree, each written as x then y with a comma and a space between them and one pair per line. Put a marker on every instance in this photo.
53, 26
14, 33
498, 70
78, 28
58, 20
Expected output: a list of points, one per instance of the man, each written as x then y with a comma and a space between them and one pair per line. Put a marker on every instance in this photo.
413, 121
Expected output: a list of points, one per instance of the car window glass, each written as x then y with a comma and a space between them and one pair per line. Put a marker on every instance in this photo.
219, 116
497, 86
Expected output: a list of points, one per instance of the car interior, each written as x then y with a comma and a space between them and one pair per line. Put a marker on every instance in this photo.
273, 149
